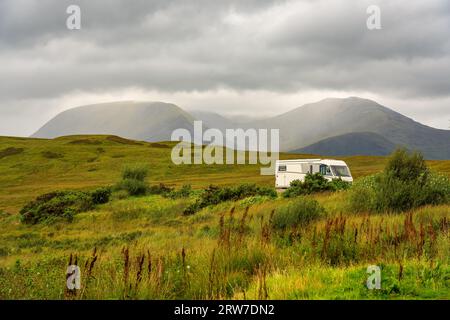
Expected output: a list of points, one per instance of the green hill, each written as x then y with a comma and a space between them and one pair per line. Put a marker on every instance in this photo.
32, 166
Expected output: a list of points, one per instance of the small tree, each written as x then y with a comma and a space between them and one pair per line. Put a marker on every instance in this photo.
402, 185
406, 166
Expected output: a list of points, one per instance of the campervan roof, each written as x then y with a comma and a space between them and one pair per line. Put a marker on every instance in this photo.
323, 161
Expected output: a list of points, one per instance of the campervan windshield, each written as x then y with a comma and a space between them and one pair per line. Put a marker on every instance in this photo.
340, 171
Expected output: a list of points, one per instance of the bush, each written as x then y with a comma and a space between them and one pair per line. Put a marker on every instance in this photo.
192, 208
363, 193
133, 187
136, 172
314, 183
214, 195
338, 184
101, 195
133, 180
405, 183
161, 189
61, 204
299, 213
184, 192
52, 155
406, 166
437, 190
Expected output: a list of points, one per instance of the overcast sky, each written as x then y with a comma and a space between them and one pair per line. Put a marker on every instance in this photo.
233, 57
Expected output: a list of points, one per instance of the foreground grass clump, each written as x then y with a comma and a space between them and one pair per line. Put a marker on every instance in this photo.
298, 213
314, 183
405, 183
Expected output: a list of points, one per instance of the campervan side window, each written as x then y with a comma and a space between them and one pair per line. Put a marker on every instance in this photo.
282, 168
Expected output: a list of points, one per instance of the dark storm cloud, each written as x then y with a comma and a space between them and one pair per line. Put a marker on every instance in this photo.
173, 46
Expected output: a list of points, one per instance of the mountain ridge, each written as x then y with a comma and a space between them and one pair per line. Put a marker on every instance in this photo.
300, 127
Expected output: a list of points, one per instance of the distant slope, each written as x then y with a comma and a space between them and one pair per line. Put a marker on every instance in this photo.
149, 121
214, 120
351, 144
332, 117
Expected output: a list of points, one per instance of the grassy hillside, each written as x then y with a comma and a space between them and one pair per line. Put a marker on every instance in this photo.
31, 167
145, 248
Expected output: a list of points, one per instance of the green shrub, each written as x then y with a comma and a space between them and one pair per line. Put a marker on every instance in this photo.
405, 183
314, 183
133, 180
214, 195
133, 187
362, 196
437, 190
135, 172
101, 195
61, 204
52, 155
338, 184
192, 208
161, 189
10, 152
298, 213
184, 192
406, 166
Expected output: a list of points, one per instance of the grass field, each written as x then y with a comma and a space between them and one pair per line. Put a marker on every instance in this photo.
145, 248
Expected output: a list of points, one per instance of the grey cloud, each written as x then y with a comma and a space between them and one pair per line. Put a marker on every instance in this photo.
279, 46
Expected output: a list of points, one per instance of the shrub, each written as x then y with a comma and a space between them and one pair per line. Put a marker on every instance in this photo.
338, 184
405, 183
314, 183
10, 152
438, 189
298, 213
133, 187
406, 166
51, 155
60, 204
133, 180
192, 208
184, 192
362, 194
214, 195
101, 195
135, 172
161, 189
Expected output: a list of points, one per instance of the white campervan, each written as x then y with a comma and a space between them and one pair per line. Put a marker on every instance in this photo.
287, 171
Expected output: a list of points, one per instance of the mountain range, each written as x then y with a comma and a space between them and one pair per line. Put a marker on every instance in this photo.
333, 126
